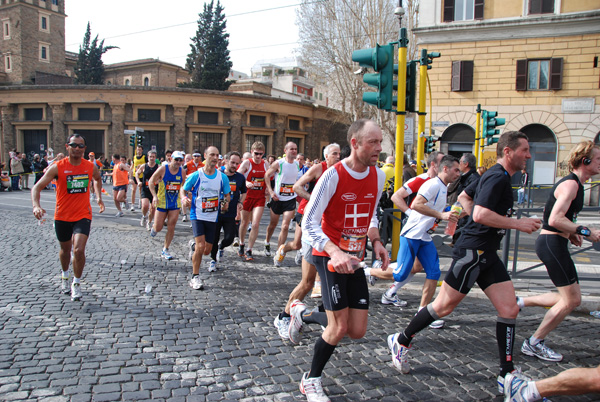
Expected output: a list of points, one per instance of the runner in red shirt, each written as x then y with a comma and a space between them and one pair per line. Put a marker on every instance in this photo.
73, 213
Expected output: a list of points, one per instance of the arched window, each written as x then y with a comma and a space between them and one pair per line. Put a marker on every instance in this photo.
457, 140
542, 146
127, 82
146, 81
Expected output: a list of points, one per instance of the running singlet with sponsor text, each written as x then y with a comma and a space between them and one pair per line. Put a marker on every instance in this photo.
72, 191
168, 190
285, 179
256, 175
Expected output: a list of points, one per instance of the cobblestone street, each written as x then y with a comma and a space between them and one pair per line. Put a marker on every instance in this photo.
177, 344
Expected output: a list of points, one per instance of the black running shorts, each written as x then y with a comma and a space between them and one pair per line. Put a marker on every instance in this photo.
553, 251
340, 291
65, 230
470, 266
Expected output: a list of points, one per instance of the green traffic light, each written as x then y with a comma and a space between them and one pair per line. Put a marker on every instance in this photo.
380, 59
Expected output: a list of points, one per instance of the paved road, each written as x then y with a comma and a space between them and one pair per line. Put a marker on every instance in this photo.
177, 344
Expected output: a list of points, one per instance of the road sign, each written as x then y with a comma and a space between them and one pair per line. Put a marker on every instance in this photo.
129, 132
409, 130
139, 129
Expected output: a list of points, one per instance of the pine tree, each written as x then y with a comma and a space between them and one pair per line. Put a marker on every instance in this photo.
208, 62
90, 68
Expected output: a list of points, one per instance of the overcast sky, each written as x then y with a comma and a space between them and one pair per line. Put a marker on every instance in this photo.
258, 29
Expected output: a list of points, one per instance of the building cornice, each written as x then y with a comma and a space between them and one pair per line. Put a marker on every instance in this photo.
513, 28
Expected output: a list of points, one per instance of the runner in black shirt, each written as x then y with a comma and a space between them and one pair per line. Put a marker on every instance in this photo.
552, 247
475, 258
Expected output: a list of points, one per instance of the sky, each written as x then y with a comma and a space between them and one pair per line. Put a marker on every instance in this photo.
258, 29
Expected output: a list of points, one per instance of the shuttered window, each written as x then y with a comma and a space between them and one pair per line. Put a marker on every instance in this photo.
463, 10
540, 74
462, 75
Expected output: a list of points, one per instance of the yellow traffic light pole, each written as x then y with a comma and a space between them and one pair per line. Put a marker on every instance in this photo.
478, 135
422, 113
400, 120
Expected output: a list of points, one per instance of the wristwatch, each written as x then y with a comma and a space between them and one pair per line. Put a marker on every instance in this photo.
583, 230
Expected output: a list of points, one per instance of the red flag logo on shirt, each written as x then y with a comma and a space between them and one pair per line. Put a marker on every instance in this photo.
357, 215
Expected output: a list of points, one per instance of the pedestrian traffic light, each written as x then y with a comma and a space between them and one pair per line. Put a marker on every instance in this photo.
490, 122
140, 141
380, 59
132, 140
411, 85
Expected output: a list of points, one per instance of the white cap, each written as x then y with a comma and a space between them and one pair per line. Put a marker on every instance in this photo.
177, 154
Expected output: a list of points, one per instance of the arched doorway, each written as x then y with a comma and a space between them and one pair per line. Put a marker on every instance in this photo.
457, 139
542, 146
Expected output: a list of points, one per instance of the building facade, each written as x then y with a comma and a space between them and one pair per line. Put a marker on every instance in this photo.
535, 62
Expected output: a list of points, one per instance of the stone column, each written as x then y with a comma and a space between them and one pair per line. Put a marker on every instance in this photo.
58, 134
236, 140
180, 139
8, 138
279, 136
117, 142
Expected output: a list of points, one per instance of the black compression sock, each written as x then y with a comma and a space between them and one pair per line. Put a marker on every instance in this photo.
314, 317
420, 321
322, 354
505, 336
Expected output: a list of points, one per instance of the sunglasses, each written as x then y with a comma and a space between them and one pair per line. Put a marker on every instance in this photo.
75, 145
178, 160
259, 153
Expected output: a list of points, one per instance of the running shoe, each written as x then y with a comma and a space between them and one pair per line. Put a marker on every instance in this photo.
249, 228
267, 249
241, 252
371, 279
220, 255
249, 255
437, 324
514, 388
541, 351
152, 232
192, 247
126, 206
143, 221
313, 389
283, 326
298, 258
64, 284
132, 209
149, 225
295, 327
385, 299
316, 290
399, 353
520, 303
236, 242
196, 283
166, 255
75, 291
184, 219
279, 256
119, 214
515, 373
212, 266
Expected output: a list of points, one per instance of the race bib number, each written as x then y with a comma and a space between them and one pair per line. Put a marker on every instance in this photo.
210, 204
233, 186
172, 186
78, 183
286, 189
353, 244
258, 183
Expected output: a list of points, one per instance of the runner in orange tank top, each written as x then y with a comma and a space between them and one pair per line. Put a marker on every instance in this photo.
120, 181
73, 213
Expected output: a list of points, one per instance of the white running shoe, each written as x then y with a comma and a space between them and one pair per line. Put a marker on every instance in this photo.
541, 351
399, 353
279, 256
166, 255
192, 247
75, 292
385, 299
313, 389
220, 255
515, 373
316, 291
64, 284
119, 214
184, 219
298, 258
282, 325
196, 283
153, 232
143, 221
267, 249
371, 279
296, 323
236, 242
132, 209
212, 266
149, 225
437, 324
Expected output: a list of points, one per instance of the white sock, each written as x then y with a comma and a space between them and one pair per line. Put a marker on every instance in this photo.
76, 280
367, 271
520, 302
65, 274
531, 392
397, 285
534, 341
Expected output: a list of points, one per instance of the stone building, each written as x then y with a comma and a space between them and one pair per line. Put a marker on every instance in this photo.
535, 62
40, 107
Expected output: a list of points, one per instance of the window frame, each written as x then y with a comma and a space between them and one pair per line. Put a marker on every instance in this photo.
462, 76
8, 63
44, 17
540, 10
449, 7
6, 28
555, 74
44, 46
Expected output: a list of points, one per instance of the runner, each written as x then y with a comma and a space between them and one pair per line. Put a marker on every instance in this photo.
190, 167
254, 170
92, 158
202, 192
283, 197
226, 219
138, 160
309, 272
338, 218
73, 212
552, 248
475, 257
120, 181
167, 201
142, 177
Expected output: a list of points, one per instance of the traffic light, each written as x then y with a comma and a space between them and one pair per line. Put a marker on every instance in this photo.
380, 59
490, 122
429, 59
140, 141
132, 140
430, 144
411, 85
